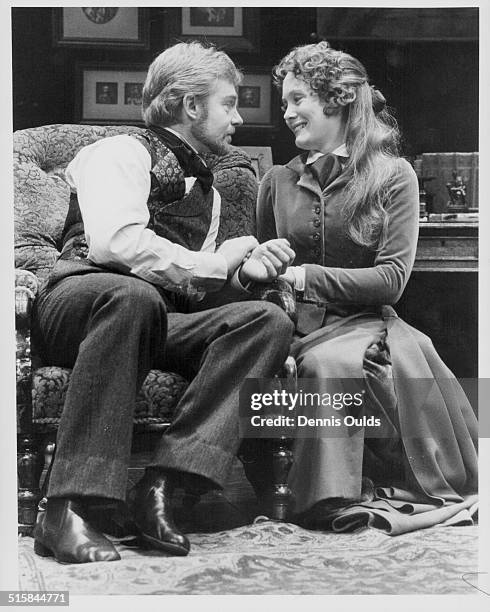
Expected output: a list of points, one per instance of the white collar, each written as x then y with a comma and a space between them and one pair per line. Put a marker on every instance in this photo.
340, 151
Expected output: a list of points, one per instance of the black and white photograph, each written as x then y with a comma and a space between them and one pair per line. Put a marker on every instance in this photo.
236, 29
256, 99
108, 93
100, 14
105, 93
249, 96
100, 27
246, 306
206, 16
222, 21
132, 93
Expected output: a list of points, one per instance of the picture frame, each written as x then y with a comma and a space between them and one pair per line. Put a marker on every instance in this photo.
256, 98
101, 27
261, 158
109, 94
229, 28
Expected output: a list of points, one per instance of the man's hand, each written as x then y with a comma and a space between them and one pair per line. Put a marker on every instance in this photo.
235, 250
267, 261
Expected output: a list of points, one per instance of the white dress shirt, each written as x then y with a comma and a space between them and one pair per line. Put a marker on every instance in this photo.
112, 180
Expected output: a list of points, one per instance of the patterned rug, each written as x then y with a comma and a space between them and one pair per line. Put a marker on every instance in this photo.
275, 558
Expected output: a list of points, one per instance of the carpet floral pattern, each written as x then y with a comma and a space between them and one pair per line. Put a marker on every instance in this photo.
274, 558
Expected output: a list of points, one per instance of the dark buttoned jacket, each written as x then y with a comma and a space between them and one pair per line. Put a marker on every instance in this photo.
342, 277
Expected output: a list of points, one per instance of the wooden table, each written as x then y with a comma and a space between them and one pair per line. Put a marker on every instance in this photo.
441, 297
449, 247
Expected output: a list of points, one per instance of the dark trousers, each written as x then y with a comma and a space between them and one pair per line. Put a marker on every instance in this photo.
111, 329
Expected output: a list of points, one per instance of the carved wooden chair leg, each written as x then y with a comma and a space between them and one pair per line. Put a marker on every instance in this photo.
49, 454
30, 459
30, 463
282, 460
267, 462
282, 454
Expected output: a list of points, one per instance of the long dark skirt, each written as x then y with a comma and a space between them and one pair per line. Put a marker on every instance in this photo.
421, 457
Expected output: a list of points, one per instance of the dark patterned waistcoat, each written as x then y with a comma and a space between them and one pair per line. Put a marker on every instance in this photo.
182, 218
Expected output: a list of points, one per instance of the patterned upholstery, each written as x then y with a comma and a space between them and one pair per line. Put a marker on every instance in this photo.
41, 197
156, 399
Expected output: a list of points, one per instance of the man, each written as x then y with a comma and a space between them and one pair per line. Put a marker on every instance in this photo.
132, 253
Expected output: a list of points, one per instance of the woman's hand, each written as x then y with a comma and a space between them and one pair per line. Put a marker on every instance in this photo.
235, 250
267, 261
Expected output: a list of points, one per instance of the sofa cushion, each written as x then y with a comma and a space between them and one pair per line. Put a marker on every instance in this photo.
156, 400
41, 194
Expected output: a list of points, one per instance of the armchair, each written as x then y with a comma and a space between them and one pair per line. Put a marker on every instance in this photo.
41, 198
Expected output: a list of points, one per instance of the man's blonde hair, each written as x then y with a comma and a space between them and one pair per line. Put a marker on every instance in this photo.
185, 68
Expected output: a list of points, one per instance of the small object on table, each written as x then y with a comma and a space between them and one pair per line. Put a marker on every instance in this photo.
457, 194
425, 199
454, 217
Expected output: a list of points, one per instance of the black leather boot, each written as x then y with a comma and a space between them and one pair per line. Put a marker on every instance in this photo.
151, 504
63, 533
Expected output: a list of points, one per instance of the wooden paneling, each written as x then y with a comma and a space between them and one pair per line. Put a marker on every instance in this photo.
447, 247
399, 23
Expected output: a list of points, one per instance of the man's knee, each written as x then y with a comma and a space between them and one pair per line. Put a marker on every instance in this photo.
275, 321
137, 298
134, 306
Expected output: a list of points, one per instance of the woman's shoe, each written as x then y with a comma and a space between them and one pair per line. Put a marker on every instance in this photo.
321, 515
62, 532
151, 504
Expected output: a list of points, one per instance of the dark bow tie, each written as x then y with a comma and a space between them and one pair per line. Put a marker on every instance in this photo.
326, 169
192, 164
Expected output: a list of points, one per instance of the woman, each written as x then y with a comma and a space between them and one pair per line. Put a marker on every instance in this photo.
349, 207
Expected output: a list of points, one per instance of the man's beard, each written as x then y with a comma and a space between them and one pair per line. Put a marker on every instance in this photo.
199, 131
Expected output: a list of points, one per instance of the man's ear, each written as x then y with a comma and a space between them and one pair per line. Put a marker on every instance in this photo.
190, 105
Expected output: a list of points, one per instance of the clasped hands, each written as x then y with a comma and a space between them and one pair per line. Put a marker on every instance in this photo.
257, 262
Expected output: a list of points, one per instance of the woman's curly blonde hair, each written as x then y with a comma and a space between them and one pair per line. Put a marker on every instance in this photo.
372, 137
324, 70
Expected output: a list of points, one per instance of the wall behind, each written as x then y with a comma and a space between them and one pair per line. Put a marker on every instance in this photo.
433, 86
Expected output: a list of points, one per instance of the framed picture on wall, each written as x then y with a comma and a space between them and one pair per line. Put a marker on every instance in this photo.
230, 28
101, 26
261, 158
255, 103
109, 94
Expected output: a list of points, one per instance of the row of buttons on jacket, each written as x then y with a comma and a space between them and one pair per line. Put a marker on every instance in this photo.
317, 236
